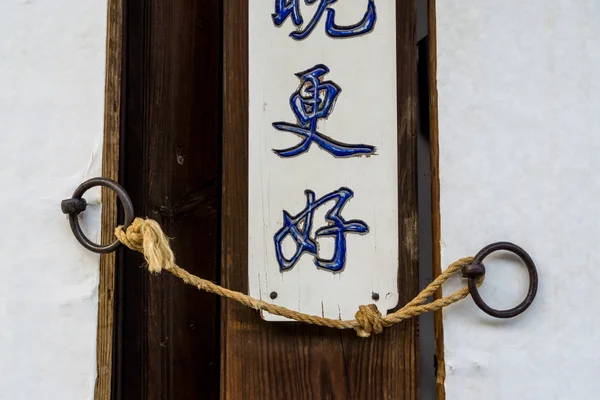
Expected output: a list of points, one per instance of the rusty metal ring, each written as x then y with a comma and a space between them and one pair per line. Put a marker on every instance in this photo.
76, 204
477, 269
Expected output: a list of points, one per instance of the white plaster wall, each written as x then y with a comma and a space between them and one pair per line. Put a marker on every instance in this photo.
519, 113
52, 57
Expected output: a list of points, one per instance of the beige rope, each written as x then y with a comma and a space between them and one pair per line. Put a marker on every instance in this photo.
146, 237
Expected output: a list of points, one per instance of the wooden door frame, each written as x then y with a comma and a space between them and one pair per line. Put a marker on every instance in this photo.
355, 372
435, 196
110, 169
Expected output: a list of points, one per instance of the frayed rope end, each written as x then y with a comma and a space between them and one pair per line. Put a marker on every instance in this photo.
146, 236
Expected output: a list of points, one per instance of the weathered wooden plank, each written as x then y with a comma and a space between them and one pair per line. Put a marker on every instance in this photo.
353, 165
435, 196
169, 331
261, 360
110, 169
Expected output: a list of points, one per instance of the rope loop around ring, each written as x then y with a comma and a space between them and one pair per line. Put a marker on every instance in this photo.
147, 237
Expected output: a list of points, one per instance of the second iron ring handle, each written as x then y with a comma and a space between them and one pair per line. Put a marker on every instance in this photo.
477, 269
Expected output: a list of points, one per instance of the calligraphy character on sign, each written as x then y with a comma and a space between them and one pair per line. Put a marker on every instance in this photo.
311, 102
299, 228
287, 8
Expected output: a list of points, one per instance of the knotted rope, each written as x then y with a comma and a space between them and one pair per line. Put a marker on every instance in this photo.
147, 237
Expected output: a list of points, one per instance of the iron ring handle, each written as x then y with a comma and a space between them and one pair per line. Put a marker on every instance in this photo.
76, 204
477, 269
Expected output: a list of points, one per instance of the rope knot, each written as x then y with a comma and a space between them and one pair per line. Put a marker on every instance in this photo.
132, 237
369, 321
146, 237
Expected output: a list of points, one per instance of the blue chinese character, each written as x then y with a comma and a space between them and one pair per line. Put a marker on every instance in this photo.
312, 101
299, 228
285, 8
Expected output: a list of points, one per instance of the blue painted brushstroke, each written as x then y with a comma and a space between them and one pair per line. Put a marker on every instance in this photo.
286, 8
299, 228
313, 101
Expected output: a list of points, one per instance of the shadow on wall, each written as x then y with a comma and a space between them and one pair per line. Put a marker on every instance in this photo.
426, 325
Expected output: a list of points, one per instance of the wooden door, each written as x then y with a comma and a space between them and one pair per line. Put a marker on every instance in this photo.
184, 161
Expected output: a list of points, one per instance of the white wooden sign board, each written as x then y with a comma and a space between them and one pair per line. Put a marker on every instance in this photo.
356, 81
519, 129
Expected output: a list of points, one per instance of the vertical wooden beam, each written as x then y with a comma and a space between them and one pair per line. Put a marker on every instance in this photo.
236, 320
168, 333
435, 197
261, 360
110, 169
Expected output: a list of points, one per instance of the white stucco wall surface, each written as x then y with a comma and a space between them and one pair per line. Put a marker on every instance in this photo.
519, 115
52, 61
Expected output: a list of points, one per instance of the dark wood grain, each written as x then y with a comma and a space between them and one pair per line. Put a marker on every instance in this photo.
261, 360
110, 169
168, 337
435, 197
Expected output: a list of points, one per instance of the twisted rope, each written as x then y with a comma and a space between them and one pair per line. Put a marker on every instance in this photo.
147, 237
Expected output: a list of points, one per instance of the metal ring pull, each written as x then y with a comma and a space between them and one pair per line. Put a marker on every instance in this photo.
77, 204
477, 269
